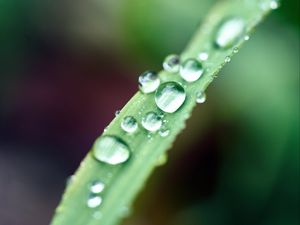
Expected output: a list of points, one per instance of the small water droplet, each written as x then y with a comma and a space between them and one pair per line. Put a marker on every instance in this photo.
97, 187
246, 38
152, 121
94, 201
274, 4
171, 63
191, 70
203, 56
201, 97
229, 32
164, 132
129, 124
266, 6
227, 59
170, 96
117, 112
148, 82
111, 150
235, 50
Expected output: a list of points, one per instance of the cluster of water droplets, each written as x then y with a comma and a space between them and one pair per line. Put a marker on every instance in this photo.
94, 198
168, 96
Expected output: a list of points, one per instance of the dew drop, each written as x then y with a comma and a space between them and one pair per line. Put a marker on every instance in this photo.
235, 50
191, 70
229, 32
246, 38
274, 4
164, 132
97, 187
227, 59
203, 56
201, 97
152, 121
94, 201
117, 112
172, 63
148, 82
170, 96
111, 150
129, 124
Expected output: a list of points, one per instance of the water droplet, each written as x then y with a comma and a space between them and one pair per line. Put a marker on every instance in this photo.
171, 63
148, 82
111, 150
274, 4
191, 70
117, 112
129, 124
201, 97
97, 187
164, 132
151, 121
229, 32
246, 38
235, 50
227, 59
94, 201
203, 56
170, 96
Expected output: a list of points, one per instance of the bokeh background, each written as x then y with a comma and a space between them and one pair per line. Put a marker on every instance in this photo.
67, 66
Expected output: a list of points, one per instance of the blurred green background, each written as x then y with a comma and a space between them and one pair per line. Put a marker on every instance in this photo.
67, 66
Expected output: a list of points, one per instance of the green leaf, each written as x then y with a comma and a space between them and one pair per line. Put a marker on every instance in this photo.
124, 181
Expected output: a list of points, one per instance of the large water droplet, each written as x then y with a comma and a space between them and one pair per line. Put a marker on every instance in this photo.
191, 70
170, 96
129, 124
111, 150
201, 97
172, 63
97, 187
148, 82
230, 32
152, 121
94, 201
